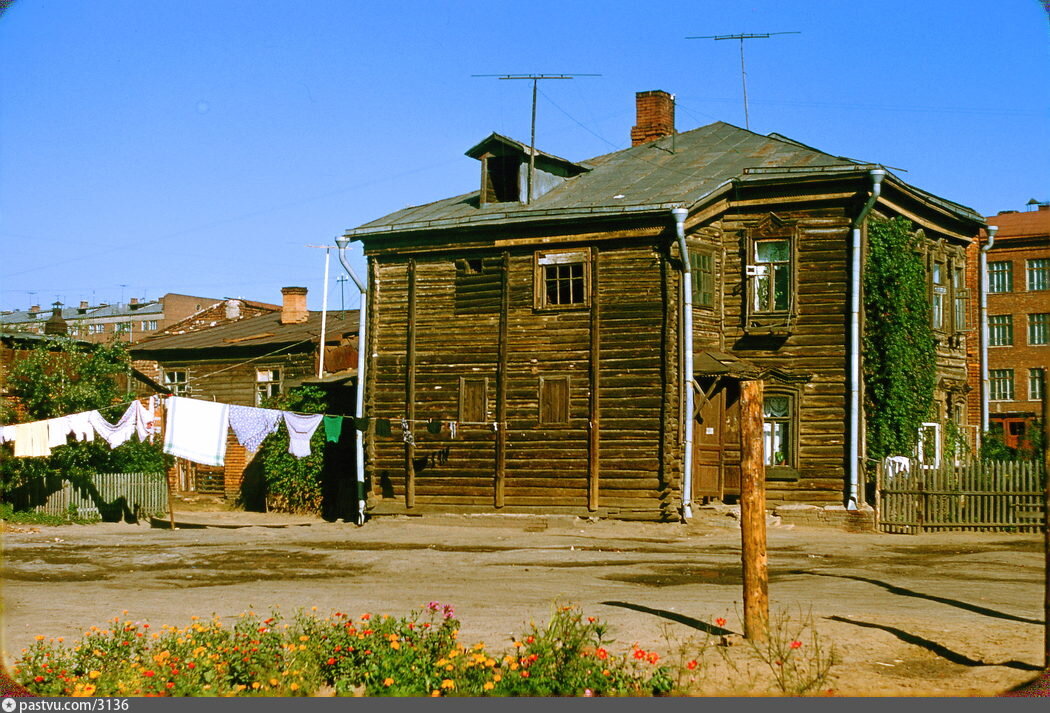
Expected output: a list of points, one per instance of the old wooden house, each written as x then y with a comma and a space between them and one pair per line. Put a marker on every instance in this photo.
546, 314
247, 359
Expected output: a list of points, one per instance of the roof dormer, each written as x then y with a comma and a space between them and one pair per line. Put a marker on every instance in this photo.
505, 170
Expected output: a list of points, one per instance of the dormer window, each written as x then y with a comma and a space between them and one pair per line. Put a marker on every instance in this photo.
500, 179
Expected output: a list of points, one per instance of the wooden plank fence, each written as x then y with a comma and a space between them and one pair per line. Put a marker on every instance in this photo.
144, 494
988, 496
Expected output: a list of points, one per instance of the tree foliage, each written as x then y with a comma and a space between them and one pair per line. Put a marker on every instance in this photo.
67, 377
899, 347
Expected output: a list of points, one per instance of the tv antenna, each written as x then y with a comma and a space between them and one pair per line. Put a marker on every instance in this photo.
743, 73
535, 78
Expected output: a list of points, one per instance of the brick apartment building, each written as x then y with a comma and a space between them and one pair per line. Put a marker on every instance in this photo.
131, 321
1018, 314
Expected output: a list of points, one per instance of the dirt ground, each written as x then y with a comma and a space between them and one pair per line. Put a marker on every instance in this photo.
933, 615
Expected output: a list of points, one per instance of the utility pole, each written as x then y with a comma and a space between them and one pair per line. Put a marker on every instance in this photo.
342, 299
535, 78
743, 72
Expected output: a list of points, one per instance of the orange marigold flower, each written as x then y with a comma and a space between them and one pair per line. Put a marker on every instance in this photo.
448, 683
366, 617
602, 654
169, 684
388, 682
639, 654
720, 621
524, 674
489, 685
652, 657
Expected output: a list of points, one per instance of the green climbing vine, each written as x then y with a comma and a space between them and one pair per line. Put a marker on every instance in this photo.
899, 356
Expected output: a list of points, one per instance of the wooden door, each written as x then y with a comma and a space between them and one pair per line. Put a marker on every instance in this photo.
708, 447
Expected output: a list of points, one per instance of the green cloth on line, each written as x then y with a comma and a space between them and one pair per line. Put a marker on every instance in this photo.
333, 428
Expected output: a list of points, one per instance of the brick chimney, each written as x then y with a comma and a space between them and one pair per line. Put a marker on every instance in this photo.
35, 309
655, 111
293, 308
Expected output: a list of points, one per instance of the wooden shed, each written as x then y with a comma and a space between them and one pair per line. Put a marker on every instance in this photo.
550, 331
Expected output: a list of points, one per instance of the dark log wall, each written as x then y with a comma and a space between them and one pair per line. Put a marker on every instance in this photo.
613, 463
232, 380
816, 344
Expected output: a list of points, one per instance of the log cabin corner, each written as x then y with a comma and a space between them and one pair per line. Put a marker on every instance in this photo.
586, 326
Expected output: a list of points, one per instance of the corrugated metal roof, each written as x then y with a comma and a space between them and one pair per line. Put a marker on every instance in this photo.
678, 170
263, 330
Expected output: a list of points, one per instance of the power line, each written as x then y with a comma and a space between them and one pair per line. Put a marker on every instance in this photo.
532, 140
743, 72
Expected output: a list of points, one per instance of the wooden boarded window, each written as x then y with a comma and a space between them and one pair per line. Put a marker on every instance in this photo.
473, 399
554, 400
478, 285
562, 279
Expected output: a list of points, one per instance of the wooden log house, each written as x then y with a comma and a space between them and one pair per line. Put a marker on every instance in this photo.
550, 330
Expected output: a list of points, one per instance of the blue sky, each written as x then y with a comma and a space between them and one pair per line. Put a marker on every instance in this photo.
199, 146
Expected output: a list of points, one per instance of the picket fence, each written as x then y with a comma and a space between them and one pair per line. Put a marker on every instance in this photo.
144, 494
991, 496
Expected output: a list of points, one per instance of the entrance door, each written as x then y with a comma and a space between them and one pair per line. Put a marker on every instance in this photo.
707, 447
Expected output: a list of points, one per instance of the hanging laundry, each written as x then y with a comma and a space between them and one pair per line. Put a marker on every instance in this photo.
7, 433
196, 430
144, 419
80, 426
31, 440
300, 429
383, 427
361, 424
406, 432
333, 428
434, 426
453, 426
116, 434
252, 425
57, 431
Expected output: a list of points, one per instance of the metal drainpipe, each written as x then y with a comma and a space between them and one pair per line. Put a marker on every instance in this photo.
983, 268
687, 372
855, 498
359, 397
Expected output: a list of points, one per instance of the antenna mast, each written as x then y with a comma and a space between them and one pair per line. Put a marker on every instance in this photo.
743, 73
532, 139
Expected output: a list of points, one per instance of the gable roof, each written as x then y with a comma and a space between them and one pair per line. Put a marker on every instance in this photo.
682, 169
252, 333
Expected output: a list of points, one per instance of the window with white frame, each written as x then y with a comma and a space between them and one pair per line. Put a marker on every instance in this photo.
1038, 272
267, 384
1001, 384
1039, 329
1000, 276
938, 294
771, 290
149, 325
1035, 384
1001, 330
177, 381
959, 297
778, 429
96, 328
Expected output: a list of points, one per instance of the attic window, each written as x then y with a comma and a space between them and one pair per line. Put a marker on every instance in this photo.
499, 179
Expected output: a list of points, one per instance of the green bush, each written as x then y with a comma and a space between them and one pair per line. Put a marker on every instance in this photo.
294, 484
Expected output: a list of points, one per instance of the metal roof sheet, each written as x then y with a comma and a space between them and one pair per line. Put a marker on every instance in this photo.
263, 330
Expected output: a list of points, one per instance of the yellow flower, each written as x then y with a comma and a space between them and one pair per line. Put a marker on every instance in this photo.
273, 681
388, 682
442, 662
490, 662
449, 667
239, 687
395, 645
489, 685
89, 689
304, 638
302, 647
255, 684
40, 637
448, 683
497, 678
294, 686
435, 694
94, 674
514, 666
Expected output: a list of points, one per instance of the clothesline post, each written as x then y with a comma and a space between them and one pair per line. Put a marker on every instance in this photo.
161, 411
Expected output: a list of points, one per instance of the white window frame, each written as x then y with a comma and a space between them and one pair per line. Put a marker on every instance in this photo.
1037, 274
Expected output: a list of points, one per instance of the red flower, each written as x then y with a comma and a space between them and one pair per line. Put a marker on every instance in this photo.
191, 665
169, 684
529, 639
38, 679
331, 662
591, 620
691, 665
533, 657
720, 621
796, 644
652, 657
602, 654
524, 674
147, 674
366, 617
338, 648
639, 654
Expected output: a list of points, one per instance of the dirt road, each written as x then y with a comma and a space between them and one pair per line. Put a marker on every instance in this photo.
945, 614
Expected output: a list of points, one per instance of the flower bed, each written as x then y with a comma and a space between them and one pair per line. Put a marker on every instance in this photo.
416, 655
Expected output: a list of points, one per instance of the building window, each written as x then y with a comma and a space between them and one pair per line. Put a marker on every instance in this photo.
554, 400
702, 264
562, 279
1000, 276
1039, 329
96, 328
1035, 384
929, 445
771, 286
778, 429
122, 328
959, 297
1001, 330
1039, 273
1001, 384
267, 384
473, 400
149, 325
177, 382
939, 292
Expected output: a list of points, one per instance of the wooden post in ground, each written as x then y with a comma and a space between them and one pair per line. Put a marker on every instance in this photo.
753, 512
1046, 520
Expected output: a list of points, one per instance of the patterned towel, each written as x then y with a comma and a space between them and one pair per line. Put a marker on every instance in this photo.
252, 425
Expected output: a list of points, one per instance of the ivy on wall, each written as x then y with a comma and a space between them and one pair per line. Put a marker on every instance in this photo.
899, 347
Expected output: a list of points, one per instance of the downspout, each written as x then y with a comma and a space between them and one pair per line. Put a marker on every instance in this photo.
983, 269
855, 495
359, 397
687, 372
